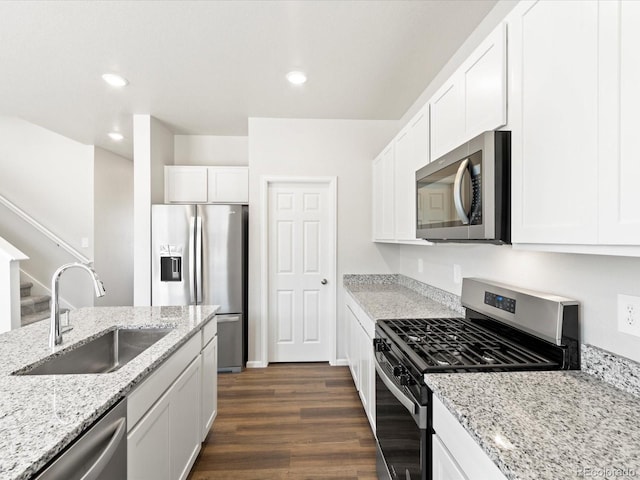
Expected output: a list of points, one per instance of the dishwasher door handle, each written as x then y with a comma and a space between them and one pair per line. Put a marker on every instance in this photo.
106, 455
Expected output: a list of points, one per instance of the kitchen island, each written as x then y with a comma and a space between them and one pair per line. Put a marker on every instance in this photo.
40, 415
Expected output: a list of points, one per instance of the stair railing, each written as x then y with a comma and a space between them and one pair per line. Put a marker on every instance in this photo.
44, 230
10, 258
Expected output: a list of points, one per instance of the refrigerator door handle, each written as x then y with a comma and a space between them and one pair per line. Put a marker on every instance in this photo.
192, 261
199, 260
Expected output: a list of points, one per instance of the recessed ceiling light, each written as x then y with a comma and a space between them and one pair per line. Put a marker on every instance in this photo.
115, 80
116, 136
297, 77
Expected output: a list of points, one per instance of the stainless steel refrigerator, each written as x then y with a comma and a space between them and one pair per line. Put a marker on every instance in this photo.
199, 256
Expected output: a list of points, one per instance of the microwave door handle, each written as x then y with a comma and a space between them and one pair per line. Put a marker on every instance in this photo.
457, 192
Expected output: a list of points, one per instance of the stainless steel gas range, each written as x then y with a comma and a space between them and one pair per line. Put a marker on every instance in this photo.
505, 329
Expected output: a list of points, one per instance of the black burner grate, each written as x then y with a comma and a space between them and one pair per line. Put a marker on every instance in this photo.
442, 344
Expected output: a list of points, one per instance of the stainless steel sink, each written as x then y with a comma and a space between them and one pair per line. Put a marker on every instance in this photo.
104, 354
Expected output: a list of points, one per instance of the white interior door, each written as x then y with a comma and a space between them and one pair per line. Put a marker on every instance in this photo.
301, 271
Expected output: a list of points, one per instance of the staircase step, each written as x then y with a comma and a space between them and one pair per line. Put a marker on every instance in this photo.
34, 317
34, 304
25, 289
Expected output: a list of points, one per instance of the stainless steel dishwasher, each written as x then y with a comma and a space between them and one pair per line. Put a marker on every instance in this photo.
100, 453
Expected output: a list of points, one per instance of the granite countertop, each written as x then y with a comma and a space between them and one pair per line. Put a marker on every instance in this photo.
395, 296
552, 425
40, 415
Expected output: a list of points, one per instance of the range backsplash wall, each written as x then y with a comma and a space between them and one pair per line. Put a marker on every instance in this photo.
594, 280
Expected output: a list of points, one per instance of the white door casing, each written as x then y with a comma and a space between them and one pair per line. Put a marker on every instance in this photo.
299, 254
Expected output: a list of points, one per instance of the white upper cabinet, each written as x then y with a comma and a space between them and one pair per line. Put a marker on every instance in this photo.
189, 184
474, 99
447, 118
554, 121
574, 100
619, 166
383, 195
228, 185
185, 184
411, 153
394, 181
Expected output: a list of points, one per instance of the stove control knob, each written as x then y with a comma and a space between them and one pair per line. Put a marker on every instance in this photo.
381, 345
406, 381
399, 370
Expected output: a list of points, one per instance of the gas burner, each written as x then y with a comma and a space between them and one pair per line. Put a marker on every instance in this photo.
488, 358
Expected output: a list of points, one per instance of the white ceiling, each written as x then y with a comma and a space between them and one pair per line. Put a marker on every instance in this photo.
204, 67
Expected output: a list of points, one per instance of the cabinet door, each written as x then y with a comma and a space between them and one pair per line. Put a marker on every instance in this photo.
184, 184
485, 85
353, 346
184, 420
447, 117
228, 185
209, 366
619, 219
553, 53
367, 376
411, 153
444, 466
149, 445
383, 195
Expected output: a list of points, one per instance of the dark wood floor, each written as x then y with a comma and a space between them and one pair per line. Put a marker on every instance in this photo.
288, 421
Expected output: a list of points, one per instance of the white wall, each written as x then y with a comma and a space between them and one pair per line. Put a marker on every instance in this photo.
493, 18
113, 231
211, 150
342, 148
50, 177
152, 150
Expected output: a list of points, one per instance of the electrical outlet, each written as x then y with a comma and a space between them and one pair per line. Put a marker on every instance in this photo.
457, 274
420, 265
629, 314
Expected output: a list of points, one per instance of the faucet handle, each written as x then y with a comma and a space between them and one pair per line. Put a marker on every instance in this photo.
64, 322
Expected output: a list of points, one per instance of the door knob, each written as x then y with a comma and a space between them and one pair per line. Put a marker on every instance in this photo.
323, 281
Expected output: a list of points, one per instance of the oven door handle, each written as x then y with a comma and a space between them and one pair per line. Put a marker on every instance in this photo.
419, 412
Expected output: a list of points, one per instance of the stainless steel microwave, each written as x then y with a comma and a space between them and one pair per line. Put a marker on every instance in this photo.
465, 195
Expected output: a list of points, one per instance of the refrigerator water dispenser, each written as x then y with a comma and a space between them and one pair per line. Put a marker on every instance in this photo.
170, 263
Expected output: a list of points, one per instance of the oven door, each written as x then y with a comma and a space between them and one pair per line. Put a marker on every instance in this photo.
404, 446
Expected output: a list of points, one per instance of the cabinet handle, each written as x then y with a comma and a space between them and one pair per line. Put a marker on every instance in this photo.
323, 281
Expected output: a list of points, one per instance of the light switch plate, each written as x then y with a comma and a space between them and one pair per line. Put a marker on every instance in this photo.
629, 314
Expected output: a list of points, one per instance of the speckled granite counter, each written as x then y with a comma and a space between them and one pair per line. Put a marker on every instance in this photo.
561, 425
397, 296
40, 415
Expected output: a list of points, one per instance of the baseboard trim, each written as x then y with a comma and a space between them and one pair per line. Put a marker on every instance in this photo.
257, 364
341, 362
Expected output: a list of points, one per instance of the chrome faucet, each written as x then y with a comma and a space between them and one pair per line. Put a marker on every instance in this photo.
55, 336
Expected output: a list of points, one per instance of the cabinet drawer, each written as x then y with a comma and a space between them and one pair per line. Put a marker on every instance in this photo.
209, 331
469, 456
140, 400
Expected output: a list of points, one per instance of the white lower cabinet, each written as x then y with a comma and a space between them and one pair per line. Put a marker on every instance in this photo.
166, 441
184, 421
148, 445
359, 347
444, 466
209, 359
170, 413
456, 456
